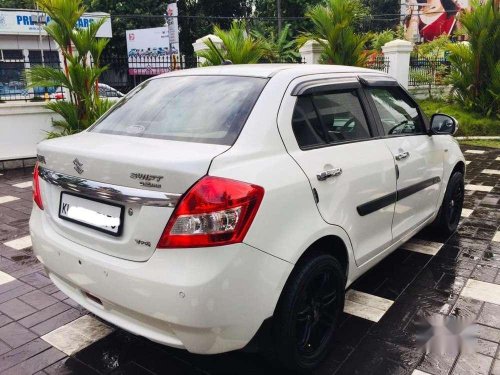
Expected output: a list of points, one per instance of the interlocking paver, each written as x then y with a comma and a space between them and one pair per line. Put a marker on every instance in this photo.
430, 279
45, 314
36, 363
14, 334
56, 322
38, 299
15, 292
36, 280
4, 320
22, 353
16, 309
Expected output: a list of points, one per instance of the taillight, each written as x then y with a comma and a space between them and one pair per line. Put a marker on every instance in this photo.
37, 195
215, 211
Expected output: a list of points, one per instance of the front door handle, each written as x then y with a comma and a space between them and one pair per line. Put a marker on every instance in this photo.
322, 176
402, 155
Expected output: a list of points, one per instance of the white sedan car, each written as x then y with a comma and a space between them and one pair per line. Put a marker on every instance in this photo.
218, 205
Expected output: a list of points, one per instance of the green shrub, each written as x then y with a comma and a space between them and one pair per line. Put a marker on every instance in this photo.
333, 28
469, 123
475, 65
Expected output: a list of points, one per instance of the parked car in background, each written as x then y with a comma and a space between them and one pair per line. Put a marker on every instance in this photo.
105, 91
217, 206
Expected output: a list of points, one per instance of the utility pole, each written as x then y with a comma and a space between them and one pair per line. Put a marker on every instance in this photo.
278, 10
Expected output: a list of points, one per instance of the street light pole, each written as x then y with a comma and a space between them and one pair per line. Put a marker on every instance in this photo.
278, 10
40, 41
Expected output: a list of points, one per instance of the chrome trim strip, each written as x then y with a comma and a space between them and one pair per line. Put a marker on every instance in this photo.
102, 190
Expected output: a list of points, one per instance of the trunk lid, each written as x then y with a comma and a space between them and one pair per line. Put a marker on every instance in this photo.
148, 164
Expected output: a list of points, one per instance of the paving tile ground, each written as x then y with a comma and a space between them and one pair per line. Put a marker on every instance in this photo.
415, 284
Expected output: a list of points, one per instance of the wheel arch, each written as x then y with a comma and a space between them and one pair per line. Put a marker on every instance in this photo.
459, 167
329, 244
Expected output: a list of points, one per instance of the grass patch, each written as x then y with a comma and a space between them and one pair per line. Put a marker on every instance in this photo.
492, 143
469, 123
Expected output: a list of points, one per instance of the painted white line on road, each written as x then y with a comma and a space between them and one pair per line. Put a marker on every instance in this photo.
5, 278
418, 372
24, 185
19, 243
7, 199
77, 335
484, 188
490, 171
466, 212
421, 246
482, 291
496, 237
365, 305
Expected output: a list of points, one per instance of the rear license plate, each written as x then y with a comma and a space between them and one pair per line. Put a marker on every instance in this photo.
104, 217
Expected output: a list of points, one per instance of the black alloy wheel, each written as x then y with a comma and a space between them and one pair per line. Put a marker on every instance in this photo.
451, 209
306, 316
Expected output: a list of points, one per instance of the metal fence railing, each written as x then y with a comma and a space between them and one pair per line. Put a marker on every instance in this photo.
428, 72
124, 73
13, 85
379, 63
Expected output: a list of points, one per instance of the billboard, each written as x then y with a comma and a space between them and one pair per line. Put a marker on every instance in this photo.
18, 22
154, 42
151, 51
426, 20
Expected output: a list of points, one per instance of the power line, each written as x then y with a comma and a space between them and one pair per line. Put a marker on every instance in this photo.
266, 18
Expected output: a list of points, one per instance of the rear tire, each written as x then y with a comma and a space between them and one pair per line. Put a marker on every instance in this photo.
450, 211
308, 311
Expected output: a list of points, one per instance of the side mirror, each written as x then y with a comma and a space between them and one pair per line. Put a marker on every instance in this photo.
443, 124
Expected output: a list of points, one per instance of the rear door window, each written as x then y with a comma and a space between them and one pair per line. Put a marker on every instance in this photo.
203, 109
336, 117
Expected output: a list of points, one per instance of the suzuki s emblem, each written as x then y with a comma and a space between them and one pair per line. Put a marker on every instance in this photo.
78, 166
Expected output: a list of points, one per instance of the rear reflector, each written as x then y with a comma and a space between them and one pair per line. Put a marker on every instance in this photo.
37, 195
214, 212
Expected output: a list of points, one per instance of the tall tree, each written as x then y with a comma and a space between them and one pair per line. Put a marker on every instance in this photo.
138, 14
203, 22
383, 14
20, 4
149, 13
289, 8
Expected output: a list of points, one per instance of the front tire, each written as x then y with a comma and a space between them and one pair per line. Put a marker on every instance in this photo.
451, 208
308, 311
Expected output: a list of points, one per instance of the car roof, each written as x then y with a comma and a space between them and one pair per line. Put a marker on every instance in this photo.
269, 70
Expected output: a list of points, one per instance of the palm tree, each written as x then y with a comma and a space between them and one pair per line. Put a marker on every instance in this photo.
333, 29
79, 77
237, 46
278, 47
475, 65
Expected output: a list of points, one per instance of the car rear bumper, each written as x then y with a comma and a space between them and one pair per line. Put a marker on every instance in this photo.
207, 300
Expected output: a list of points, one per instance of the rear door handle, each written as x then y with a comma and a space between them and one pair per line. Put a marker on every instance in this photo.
402, 155
322, 176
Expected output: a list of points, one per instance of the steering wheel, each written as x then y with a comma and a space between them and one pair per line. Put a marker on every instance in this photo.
346, 125
391, 130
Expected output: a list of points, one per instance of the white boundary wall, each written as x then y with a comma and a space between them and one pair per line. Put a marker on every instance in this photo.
22, 126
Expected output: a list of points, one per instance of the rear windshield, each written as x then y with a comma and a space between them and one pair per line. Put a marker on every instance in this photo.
203, 109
